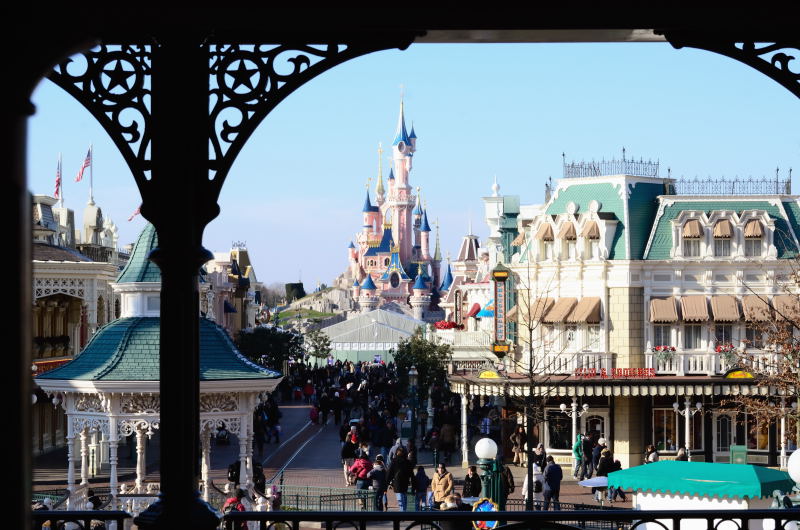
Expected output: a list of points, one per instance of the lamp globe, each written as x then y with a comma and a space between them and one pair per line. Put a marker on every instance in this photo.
486, 449
794, 466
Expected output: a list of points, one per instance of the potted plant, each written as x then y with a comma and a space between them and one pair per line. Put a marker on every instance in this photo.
663, 354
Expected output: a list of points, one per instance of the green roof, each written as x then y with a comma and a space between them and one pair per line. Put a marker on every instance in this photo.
703, 479
139, 267
661, 244
642, 208
127, 349
582, 194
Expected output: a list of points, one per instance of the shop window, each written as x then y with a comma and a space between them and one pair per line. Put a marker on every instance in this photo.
595, 425
662, 335
571, 338
572, 249
691, 248
722, 247
757, 434
724, 426
691, 337
752, 247
559, 430
665, 429
548, 336
547, 250
593, 338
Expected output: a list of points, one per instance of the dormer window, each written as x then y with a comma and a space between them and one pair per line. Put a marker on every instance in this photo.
692, 232
753, 235
591, 235
723, 231
545, 237
569, 239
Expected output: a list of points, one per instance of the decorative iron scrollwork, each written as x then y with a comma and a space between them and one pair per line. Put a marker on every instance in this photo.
113, 83
248, 81
771, 59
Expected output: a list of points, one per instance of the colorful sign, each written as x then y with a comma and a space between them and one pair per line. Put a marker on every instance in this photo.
485, 505
615, 373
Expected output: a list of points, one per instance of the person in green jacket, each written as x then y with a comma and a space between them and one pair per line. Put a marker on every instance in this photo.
577, 455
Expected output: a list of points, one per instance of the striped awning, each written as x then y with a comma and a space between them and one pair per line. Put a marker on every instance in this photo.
561, 309
474, 310
723, 228
539, 308
694, 308
753, 229
787, 307
724, 308
692, 229
567, 232
587, 311
519, 240
756, 308
545, 232
591, 230
663, 310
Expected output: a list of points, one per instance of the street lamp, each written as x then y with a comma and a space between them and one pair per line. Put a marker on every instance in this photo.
486, 451
574, 413
687, 413
412, 380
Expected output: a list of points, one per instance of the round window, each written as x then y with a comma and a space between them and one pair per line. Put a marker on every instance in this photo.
394, 279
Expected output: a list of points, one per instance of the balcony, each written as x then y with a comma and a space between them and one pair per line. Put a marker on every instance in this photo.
550, 363
465, 339
704, 363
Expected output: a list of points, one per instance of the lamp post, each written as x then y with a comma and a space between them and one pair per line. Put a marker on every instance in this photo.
574, 413
486, 451
687, 414
412, 380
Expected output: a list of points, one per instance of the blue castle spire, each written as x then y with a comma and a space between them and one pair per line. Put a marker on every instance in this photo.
391, 174
420, 283
424, 226
368, 283
448, 280
401, 135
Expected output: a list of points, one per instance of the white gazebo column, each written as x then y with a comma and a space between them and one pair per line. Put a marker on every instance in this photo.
244, 479
574, 419
140, 459
93, 452
464, 432
113, 444
84, 457
205, 460
70, 456
687, 425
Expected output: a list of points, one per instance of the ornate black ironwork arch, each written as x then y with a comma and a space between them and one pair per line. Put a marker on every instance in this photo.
772, 59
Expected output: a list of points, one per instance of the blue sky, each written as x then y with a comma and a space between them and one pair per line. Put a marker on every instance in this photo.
296, 190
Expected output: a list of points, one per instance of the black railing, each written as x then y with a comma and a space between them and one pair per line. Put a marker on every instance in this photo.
636, 168
734, 186
84, 519
739, 519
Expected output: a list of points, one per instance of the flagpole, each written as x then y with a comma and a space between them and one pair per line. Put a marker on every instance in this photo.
60, 184
91, 174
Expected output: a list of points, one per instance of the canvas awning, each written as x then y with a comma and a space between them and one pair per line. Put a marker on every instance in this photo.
756, 308
723, 228
663, 310
692, 229
591, 230
724, 308
702, 479
694, 308
753, 229
539, 308
519, 240
787, 307
587, 311
545, 232
474, 310
567, 232
560, 310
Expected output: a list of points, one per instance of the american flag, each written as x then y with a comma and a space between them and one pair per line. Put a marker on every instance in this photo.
136, 212
86, 163
57, 193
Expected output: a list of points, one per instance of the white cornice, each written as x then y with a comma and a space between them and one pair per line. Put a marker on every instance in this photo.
153, 387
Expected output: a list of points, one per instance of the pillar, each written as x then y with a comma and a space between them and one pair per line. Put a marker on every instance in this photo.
70, 458
464, 432
629, 442
140, 459
687, 426
93, 456
113, 460
205, 462
84, 457
243, 477
574, 420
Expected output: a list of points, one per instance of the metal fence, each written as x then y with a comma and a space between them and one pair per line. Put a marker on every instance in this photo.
734, 186
318, 499
640, 168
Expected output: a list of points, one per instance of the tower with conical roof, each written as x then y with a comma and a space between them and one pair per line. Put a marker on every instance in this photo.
402, 201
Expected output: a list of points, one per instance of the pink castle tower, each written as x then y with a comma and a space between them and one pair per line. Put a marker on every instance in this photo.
401, 201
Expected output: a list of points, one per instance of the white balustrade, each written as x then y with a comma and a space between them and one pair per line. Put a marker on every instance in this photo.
704, 363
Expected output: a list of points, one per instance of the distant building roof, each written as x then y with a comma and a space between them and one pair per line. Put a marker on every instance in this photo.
139, 268
376, 326
46, 252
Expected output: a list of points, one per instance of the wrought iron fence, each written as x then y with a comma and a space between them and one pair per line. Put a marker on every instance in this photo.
637, 168
310, 498
667, 519
734, 186
84, 519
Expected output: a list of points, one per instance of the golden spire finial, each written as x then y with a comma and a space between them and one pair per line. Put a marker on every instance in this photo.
379, 187
369, 179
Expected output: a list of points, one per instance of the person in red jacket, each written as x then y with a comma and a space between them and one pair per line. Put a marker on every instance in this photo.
360, 468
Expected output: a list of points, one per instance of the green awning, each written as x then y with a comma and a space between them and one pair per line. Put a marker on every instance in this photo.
703, 479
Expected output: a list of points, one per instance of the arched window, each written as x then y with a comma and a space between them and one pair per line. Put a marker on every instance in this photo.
101, 311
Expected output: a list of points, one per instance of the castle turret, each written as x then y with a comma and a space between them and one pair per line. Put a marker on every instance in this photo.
367, 300
401, 199
447, 281
371, 216
356, 289
421, 297
412, 137
424, 237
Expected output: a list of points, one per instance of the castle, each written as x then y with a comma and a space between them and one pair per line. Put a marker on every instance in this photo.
391, 264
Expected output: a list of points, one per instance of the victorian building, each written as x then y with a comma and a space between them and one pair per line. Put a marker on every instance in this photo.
635, 296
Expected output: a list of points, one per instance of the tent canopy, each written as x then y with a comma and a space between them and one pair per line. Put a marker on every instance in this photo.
703, 479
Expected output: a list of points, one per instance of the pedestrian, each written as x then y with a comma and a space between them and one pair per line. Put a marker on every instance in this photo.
507, 481
682, 456
419, 486
378, 477
587, 448
539, 456
450, 504
597, 450
650, 454
234, 504
518, 440
324, 407
552, 484
604, 465
615, 492
442, 484
308, 391
472, 483
348, 455
399, 476
577, 456
313, 414
538, 487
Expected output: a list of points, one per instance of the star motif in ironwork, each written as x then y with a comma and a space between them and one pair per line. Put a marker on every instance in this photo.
118, 77
242, 75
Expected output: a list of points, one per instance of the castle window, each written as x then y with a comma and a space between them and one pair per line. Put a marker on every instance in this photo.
723, 231
394, 279
692, 232
662, 335
386, 262
691, 337
752, 238
722, 247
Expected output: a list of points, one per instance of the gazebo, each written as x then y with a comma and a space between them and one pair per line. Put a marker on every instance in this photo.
111, 389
